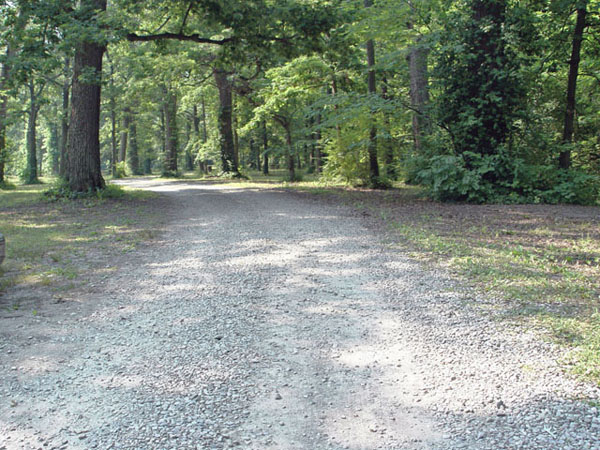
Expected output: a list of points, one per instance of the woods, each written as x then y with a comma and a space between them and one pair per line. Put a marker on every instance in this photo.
474, 100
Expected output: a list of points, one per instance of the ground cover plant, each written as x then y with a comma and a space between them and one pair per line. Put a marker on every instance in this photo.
52, 243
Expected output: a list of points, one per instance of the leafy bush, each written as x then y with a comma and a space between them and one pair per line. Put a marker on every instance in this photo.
121, 170
501, 179
61, 190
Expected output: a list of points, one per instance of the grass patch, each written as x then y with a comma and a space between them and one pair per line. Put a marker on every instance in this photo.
52, 243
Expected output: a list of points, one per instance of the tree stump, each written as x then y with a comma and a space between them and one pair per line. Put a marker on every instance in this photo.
2, 247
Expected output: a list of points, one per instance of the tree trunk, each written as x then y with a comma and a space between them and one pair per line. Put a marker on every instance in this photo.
54, 148
390, 170
372, 148
171, 134
419, 91
265, 149
318, 155
83, 172
124, 135
113, 123
225, 89
31, 176
189, 160
564, 160
236, 139
134, 157
289, 153
4, 78
64, 117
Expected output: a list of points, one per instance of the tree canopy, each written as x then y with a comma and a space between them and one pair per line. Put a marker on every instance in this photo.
476, 100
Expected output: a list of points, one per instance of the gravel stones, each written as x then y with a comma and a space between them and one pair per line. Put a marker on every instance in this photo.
267, 320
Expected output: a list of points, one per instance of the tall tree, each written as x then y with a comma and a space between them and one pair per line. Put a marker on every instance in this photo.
83, 171
580, 24
372, 87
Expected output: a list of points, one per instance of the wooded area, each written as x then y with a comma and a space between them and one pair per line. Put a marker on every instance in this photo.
476, 100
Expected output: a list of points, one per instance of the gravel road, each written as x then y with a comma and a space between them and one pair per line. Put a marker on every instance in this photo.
270, 320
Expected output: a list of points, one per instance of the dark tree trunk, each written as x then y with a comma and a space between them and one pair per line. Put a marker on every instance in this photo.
564, 160
124, 135
318, 156
64, 117
134, 156
372, 148
419, 91
265, 149
171, 134
289, 152
196, 125
54, 148
390, 169
189, 160
4, 78
236, 139
32, 162
225, 88
113, 123
83, 172
162, 129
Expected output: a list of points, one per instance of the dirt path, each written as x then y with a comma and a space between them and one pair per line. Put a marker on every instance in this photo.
266, 320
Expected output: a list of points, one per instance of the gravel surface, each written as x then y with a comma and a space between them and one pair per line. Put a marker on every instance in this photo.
268, 320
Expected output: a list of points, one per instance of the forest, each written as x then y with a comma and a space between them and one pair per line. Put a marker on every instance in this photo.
484, 101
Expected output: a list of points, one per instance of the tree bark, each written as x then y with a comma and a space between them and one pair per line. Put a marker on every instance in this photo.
225, 88
134, 157
372, 148
171, 133
390, 169
124, 135
4, 79
82, 171
64, 118
289, 152
32, 163
265, 137
564, 160
419, 91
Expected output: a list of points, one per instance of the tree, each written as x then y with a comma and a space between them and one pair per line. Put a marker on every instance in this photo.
580, 24
82, 168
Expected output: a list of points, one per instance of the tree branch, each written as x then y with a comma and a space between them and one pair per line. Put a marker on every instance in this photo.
179, 37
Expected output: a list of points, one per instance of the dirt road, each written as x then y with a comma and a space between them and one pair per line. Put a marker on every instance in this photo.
269, 320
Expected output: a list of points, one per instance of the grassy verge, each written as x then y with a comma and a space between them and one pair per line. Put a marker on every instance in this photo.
52, 244
542, 262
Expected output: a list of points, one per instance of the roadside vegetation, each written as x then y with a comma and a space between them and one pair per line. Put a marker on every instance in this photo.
53, 243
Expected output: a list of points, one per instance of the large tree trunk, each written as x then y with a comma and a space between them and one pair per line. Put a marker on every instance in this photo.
124, 135
134, 157
225, 88
32, 168
4, 78
83, 172
419, 91
171, 133
265, 149
64, 118
564, 159
372, 148
113, 123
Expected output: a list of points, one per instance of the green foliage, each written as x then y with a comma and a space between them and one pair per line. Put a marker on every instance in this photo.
60, 190
503, 179
121, 170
